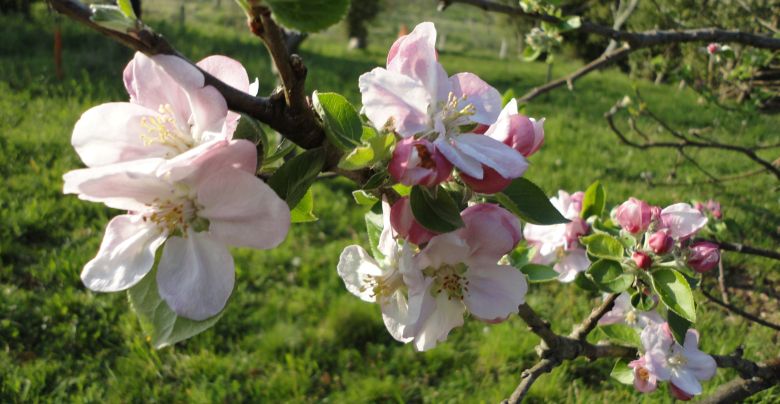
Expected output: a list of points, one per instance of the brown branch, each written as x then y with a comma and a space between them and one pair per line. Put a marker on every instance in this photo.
582, 331
739, 311
754, 379
296, 124
528, 378
745, 249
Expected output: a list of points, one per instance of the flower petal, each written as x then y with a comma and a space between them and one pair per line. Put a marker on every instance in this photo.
485, 99
572, 263
229, 71
197, 164
242, 210
355, 267
686, 381
112, 133
682, 220
151, 86
195, 275
414, 56
494, 292
440, 316
395, 312
505, 160
444, 249
459, 159
126, 254
389, 95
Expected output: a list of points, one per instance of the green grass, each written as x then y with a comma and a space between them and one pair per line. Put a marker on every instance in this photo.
291, 331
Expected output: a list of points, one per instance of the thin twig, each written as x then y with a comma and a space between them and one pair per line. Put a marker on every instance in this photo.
587, 325
740, 312
745, 249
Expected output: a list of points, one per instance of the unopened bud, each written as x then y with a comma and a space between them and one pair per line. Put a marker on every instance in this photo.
704, 256
491, 182
660, 242
634, 215
404, 223
642, 260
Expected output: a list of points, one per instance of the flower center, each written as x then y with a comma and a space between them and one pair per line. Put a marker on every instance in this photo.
164, 131
449, 279
455, 114
677, 360
382, 285
631, 317
643, 374
423, 157
178, 212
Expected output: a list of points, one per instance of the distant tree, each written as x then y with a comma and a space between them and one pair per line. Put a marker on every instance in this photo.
360, 13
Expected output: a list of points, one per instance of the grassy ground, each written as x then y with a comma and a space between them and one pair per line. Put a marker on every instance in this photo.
291, 332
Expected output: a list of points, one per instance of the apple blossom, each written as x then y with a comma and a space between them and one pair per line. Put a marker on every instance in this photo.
462, 274
644, 381
642, 260
559, 242
414, 97
418, 162
660, 242
171, 110
196, 204
634, 215
682, 220
404, 223
623, 312
703, 256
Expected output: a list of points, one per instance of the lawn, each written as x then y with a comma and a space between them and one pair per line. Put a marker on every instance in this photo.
291, 331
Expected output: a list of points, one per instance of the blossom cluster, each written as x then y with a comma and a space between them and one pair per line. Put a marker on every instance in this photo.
168, 159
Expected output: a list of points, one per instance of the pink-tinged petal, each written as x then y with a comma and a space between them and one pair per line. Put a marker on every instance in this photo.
195, 275
355, 267
618, 312
418, 162
200, 162
444, 249
403, 222
227, 70
494, 292
445, 314
572, 263
151, 86
459, 158
686, 381
387, 244
634, 215
242, 210
703, 366
395, 98
485, 99
654, 337
682, 220
548, 239
112, 133
508, 162
395, 313
414, 56
128, 186
490, 230
644, 381
126, 254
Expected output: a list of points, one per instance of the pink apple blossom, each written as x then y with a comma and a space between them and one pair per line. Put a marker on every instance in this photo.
461, 273
171, 110
195, 204
414, 97
703, 256
644, 380
418, 162
682, 220
623, 312
634, 215
406, 226
660, 242
642, 260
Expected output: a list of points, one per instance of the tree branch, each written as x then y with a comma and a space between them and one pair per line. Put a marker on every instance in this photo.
745, 249
739, 311
762, 377
294, 122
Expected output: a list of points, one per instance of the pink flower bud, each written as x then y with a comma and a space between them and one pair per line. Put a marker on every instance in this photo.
679, 393
634, 215
713, 48
491, 182
490, 229
576, 201
642, 260
404, 223
526, 135
714, 207
418, 162
655, 213
574, 229
703, 256
660, 242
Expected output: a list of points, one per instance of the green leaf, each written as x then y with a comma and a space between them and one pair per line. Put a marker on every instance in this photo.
678, 325
594, 201
583, 281
364, 198
571, 23
250, 129
340, 120
539, 273
507, 96
127, 8
621, 333
521, 255
308, 15
609, 276
437, 212
304, 211
529, 202
530, 53
675, 292
293, 178
358, 158
376, 180
622, 373
403, 190
642, 302
163, 326
374, 229
603, 246
111, 17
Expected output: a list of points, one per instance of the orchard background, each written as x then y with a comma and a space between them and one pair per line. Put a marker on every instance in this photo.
291, 332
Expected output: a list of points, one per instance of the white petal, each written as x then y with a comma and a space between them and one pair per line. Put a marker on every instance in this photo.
197, 164
195, 275
505, 160
495, 292
682, 220
444, 249
126, 254
464, 162
395, 314
242, 210
355, 268
387, 244
572, 263
388, 95
415, 56
485, 99
445, 314
686, 381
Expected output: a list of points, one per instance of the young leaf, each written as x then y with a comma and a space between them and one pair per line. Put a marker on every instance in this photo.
340, 120
403, 190
507, 96
308, 15
675, 292
364, 198
583, 281
162, 324
358, 158
609, 276
376, 180
622, 334
374, 229
603, 246
528, 201
539, 273
111, 17
127, 8
304, 211
293, 178
642, 302
678, 325
622, 373
438, 212
594, 200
